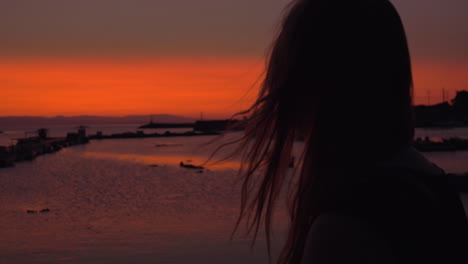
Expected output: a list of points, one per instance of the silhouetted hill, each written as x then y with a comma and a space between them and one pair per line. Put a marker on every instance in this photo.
37, 121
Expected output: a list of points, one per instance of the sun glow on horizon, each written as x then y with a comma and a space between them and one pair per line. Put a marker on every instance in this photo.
112, 87
218, 87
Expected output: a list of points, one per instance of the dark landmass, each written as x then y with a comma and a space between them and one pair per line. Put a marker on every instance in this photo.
204, 126
219, 125
446, 144
167, 125
454, 114
37, 121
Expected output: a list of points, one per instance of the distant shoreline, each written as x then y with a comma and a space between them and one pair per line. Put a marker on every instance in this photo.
38, 121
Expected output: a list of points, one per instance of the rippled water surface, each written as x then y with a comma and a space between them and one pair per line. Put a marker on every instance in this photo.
108, 205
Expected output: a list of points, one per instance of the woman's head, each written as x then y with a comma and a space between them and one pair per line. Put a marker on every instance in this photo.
339, 75
342, 67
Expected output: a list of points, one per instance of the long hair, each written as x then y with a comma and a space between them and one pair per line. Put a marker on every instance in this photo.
339, 76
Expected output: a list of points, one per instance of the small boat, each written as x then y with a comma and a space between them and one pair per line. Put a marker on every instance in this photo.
190, 166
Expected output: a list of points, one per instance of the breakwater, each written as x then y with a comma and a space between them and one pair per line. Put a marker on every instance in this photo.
31, 147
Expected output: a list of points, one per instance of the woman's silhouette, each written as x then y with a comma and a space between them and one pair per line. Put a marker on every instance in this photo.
339, 76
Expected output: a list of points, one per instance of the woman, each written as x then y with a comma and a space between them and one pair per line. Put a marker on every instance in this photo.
339, 76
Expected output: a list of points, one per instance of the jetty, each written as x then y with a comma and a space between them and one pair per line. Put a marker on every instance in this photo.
28, 148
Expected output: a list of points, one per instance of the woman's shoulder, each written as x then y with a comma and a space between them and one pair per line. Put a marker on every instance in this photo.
343, 238
405, 202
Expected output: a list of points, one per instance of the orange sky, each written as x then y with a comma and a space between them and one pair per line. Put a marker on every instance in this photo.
431, 77
66, 57
117, 87
186, 87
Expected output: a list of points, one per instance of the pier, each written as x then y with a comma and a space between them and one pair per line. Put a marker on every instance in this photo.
29, 148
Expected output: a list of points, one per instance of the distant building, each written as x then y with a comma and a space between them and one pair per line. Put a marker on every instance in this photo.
82, 131
78, 137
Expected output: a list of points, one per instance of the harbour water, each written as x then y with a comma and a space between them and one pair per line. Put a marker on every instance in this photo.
107, 204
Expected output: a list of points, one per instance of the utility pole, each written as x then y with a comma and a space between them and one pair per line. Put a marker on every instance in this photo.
428, 97
443, 95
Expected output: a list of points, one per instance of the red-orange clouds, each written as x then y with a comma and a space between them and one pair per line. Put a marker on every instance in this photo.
127, 86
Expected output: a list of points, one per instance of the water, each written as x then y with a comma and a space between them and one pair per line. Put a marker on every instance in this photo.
437, 133
108, 205
11, 133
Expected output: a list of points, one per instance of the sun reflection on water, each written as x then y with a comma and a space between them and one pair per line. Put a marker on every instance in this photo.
165, 160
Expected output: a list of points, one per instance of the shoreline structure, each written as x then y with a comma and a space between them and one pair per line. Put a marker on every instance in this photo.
29, 148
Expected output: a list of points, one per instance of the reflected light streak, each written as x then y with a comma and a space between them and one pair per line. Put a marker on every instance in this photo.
164, 160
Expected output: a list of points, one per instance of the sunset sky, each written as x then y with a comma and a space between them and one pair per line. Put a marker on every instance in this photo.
122, 57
